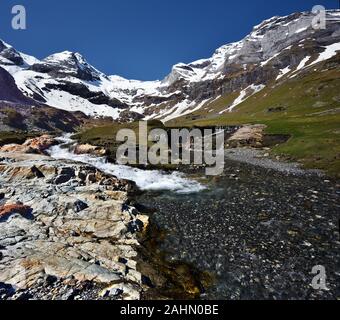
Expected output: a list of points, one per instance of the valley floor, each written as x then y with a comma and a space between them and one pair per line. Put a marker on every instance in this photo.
255, 232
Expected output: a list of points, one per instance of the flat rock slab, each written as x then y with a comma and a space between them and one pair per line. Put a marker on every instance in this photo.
61, 238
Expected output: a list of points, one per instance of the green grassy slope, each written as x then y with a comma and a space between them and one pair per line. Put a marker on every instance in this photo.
307, 107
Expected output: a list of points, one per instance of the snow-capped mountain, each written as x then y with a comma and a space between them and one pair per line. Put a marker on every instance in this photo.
277, 49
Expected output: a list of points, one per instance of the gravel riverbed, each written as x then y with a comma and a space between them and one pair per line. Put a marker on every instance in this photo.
258, 229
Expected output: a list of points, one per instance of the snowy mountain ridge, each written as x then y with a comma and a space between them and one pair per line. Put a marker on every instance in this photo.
275, 49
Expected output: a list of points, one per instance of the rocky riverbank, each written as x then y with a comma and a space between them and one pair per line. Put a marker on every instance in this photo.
66, 231
70, 231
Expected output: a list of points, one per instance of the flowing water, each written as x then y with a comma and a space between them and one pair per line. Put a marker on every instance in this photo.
146, 180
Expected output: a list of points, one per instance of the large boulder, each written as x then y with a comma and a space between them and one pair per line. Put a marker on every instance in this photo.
41, 144
89, 149
37, 145
248, 136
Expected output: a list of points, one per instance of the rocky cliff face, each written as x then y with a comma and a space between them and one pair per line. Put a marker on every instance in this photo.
275, 50
67, 64
70, 231
20, 112
9, 91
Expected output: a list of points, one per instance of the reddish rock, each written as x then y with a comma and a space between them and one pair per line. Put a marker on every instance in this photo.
10, 148
37, 145
7, 210
41, 143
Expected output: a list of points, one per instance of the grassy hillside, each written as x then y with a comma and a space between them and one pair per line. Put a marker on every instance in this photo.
307, 107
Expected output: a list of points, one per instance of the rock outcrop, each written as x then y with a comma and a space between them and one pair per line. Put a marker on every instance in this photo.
36, 145
89, 149
66, 230
248, 136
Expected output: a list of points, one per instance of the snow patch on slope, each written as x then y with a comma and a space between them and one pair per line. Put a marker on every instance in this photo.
65, 101
303, 63
183, 109
301, 66
29, 60
283, 72
244, 95
330, 52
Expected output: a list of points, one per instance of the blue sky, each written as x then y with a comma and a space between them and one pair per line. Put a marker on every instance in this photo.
139, 39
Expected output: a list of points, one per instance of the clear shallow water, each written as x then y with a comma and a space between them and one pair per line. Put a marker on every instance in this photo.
148, 180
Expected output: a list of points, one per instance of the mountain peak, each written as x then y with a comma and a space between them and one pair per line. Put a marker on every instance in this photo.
14, 59
4, 45
65, 55
9, 55
68, 63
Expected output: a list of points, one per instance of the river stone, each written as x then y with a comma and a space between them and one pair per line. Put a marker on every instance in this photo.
62, 178
80, 206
